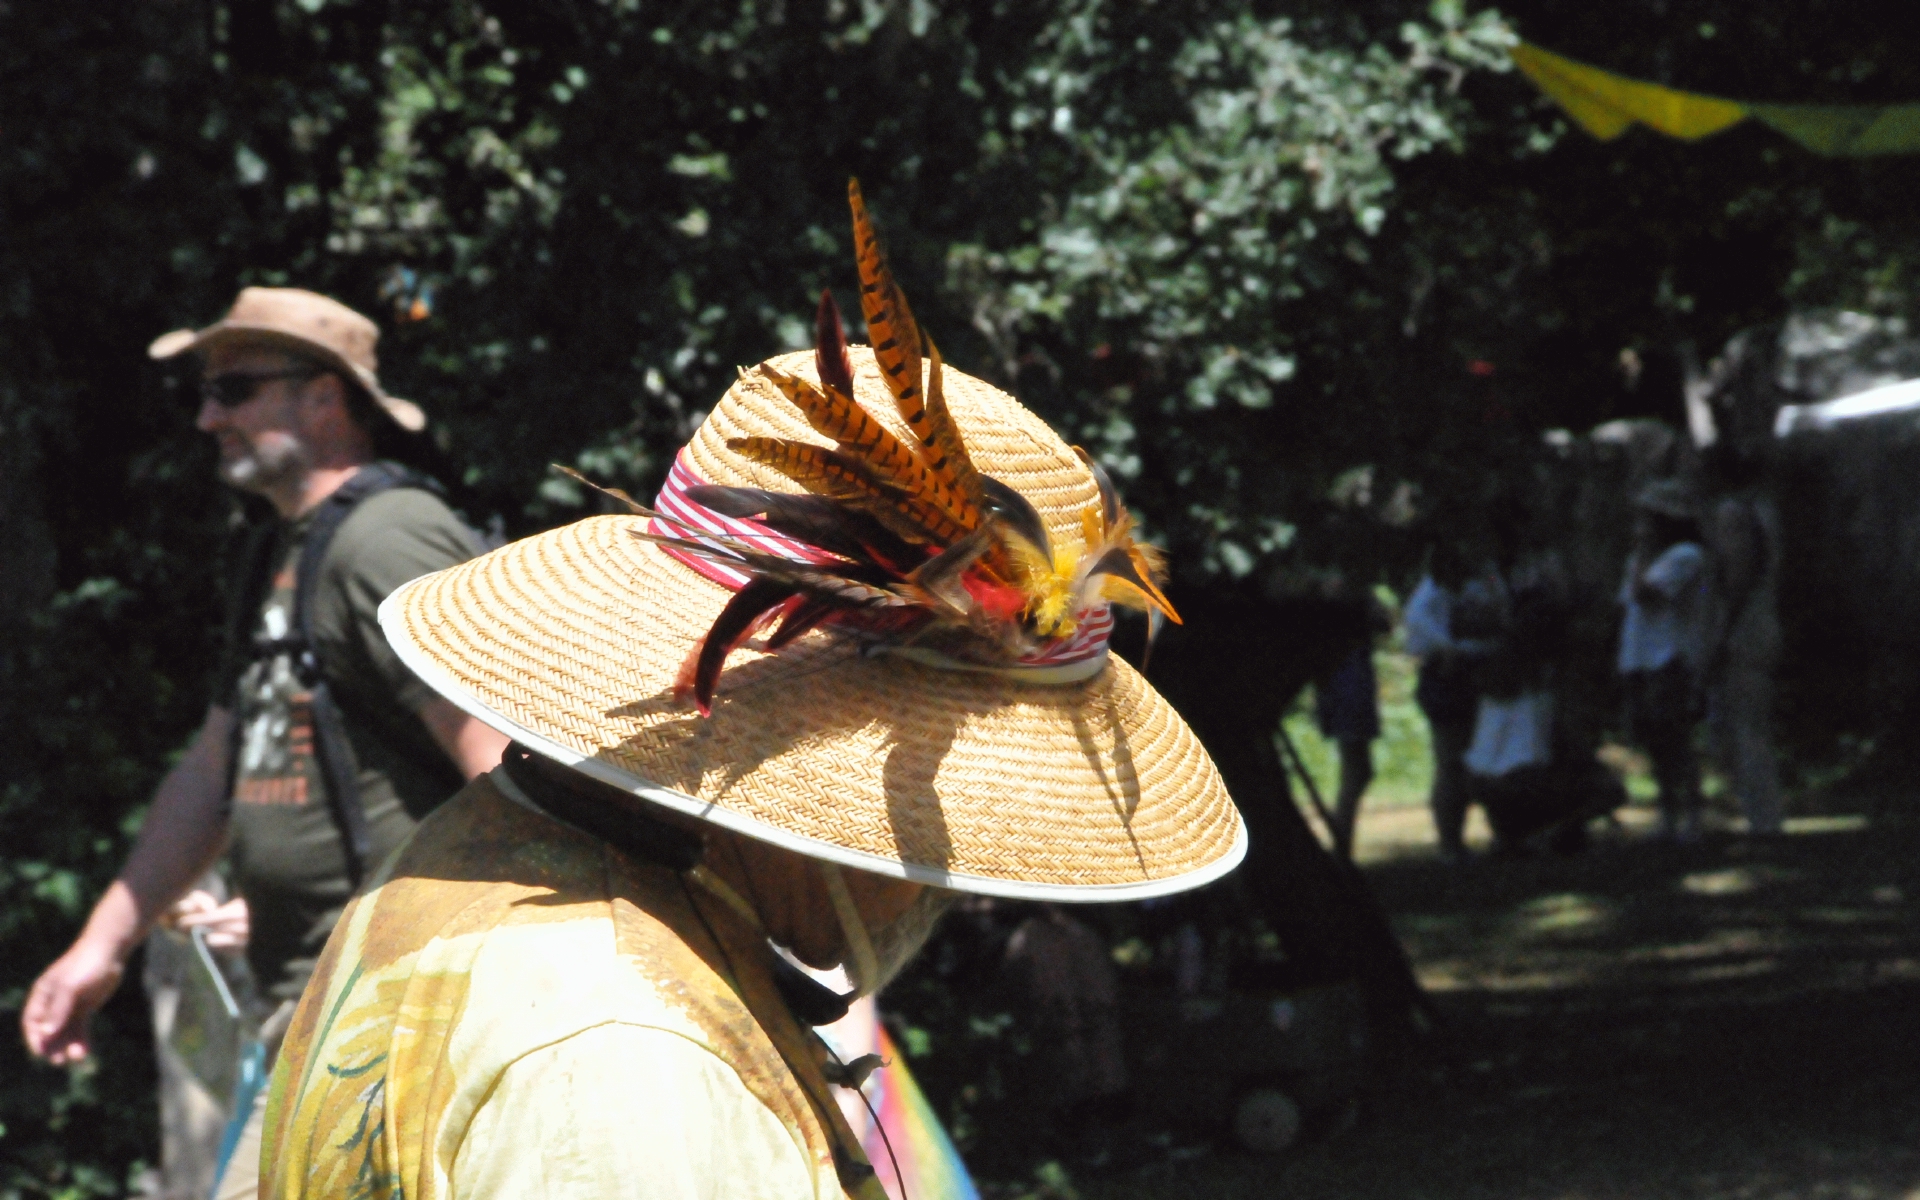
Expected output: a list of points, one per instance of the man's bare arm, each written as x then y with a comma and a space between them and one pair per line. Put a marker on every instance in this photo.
184, 832
474, 748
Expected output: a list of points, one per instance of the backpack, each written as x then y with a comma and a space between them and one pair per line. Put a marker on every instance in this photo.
339, 767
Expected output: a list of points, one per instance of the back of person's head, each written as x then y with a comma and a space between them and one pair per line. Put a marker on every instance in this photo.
1449, 562
1670, 530
1727, 469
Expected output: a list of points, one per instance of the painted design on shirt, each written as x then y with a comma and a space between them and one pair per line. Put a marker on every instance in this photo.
276, 762
522, 928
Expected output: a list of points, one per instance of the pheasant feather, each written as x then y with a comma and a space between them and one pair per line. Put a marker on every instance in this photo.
836, 414
843, 477
898, 347
830, 359
890, 323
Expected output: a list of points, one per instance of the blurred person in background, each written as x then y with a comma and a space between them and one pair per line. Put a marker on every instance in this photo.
1532, 774
1437, 618
320, 750
1347, 708
1742, 531
1664, 600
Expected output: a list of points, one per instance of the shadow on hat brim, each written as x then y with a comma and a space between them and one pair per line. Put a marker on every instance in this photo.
404, 413
570, 642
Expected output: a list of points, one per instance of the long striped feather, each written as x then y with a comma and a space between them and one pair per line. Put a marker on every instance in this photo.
898, 346
890, 323
837, 415
941, 446
843, 477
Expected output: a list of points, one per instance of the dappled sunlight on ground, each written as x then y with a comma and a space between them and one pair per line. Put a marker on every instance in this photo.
1733, 1019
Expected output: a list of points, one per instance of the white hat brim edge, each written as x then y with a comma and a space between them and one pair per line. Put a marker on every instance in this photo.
444, 685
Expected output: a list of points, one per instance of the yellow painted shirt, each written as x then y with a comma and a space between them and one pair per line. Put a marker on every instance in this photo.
519, 1010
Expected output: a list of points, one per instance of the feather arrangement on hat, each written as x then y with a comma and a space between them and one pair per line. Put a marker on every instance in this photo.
916, 545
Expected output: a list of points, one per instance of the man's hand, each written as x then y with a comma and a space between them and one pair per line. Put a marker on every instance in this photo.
64, 999
182, 835
227, 925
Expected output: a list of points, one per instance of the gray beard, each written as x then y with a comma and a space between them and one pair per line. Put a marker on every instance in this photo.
262, 468
896, 942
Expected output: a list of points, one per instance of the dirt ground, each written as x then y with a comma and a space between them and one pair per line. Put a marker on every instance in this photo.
1729, 1019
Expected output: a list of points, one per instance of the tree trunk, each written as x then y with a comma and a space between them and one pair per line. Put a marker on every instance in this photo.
1231, 671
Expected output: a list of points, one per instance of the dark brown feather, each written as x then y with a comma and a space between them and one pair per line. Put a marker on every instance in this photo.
816, 520
1016, 512
1110, 508
732, 627
852, 584
830, 345
802, 617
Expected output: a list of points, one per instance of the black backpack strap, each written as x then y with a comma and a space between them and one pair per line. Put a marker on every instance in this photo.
338, 764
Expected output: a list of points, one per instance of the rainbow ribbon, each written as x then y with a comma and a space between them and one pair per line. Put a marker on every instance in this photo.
897, 1117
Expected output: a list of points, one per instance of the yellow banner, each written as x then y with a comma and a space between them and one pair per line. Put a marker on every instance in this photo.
1605, 104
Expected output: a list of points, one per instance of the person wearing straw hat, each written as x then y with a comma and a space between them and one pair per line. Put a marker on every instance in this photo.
852, 663
320, 749
1663, 597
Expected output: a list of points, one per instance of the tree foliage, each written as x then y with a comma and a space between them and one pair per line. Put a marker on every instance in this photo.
1217, 228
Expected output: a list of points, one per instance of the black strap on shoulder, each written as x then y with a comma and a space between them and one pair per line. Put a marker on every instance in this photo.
638, 836
625, 828
332, 747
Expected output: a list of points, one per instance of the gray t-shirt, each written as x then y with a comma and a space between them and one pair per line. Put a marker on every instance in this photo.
286, 853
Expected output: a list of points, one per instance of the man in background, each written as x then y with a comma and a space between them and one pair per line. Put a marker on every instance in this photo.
1347, 708
290, 393
1660, 654
1436, 621
1742, 531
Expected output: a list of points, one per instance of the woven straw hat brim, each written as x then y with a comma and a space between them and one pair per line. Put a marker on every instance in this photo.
570, 642
405, 413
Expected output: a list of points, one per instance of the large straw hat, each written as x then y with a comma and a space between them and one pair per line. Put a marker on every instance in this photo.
308, 324
569, 642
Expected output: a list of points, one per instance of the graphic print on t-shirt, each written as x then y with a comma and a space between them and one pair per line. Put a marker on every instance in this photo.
276, 763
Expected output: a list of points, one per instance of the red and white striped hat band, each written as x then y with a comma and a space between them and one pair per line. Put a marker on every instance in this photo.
1080, 655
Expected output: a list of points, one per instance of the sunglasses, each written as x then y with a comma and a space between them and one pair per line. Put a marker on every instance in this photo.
234, 388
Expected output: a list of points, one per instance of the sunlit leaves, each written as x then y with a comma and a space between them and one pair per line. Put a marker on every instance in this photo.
1226, 178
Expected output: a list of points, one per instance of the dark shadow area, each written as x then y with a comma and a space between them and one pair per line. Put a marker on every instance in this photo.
1729, 1019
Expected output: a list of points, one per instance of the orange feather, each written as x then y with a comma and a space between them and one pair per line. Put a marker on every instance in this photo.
838, 416
843, 477
890, 323
898, 346
942, 447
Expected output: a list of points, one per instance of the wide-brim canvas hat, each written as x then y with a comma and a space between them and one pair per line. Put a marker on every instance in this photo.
1077, 783
305, 323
